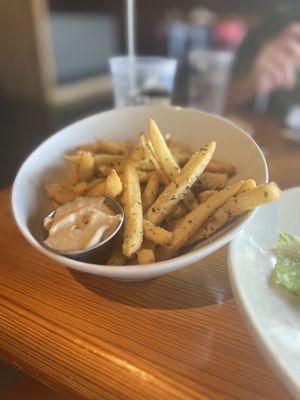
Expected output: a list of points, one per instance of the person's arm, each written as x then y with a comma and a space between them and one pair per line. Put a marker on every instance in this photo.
273, 67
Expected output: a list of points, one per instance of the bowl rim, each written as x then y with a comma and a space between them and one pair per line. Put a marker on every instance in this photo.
132, 270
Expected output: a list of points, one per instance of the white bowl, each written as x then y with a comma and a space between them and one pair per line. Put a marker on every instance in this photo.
190, 127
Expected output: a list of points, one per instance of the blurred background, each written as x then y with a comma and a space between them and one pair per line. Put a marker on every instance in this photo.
233, 57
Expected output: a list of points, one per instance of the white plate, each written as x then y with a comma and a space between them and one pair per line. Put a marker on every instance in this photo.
190, 127
272, 314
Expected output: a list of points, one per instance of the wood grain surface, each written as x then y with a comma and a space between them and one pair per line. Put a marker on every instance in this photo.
176, 337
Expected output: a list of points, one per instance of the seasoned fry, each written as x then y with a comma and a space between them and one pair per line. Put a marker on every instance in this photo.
108, 159
86, 166
181, 154
191, 222
73, 158
83, 187
156, 234
220, 167
113, 185
106, 146
144, 176
146, 165
147, 146
176, 190
93, 148
150, 192
190, 201
241, 203
105, 162
179, 211
72, 175
215, 222
145, 256
167, 161
59, 193
162, 151
140, 156
105, 170
97, 190
203, 196
247, 185
95, 182
80, 188
132, 203
211, 181
237, 206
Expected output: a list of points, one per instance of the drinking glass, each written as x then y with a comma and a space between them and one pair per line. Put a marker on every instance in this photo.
209, 79
142, 80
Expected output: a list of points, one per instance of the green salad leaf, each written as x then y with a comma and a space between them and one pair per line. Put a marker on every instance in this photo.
287, 268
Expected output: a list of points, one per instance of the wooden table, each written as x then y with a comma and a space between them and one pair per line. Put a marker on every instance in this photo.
176, 337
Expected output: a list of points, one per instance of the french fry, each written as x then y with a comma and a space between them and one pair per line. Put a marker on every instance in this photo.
86, 166
105, 170
162, 152
221, 167
155, 234
147, 146
95, 182
97, 190
221, 216
203, 196
144, 176
113, 185
167, 161
59, 193
211, 181
132, 204
145, 256
190, 201
194, 219
72, 175
150, 192
109, 159
80, 188
146, 165
170, 223
179, 211
93, 148
241, 203
177, 189
73, 158
140, 156
247, 185
106, 146
138, 152
103, 162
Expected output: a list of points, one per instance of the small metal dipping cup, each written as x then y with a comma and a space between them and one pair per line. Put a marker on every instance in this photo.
93, 254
